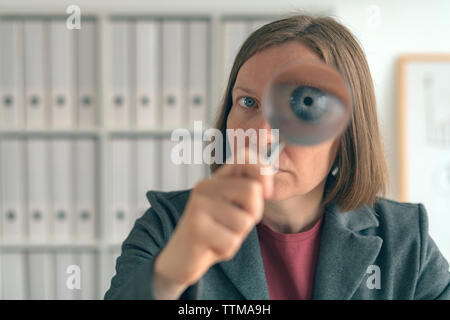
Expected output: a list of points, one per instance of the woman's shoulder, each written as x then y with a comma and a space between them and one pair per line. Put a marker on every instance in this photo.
168, 202
164, 211
401, 217
178, 197
396, 205
392, 209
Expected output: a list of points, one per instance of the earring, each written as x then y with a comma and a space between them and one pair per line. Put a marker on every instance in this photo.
335, 170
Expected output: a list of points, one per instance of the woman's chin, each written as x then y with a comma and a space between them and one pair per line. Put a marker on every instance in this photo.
282, 188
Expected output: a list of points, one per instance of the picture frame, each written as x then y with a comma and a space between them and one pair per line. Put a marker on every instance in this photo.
423, 124
433, 65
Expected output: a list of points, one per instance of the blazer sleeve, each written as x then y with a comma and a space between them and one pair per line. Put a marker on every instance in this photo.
134, 268
434, 275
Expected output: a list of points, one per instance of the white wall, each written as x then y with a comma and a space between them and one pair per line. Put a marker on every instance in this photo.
404, 27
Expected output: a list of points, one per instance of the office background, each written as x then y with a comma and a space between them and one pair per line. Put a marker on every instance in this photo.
86, 116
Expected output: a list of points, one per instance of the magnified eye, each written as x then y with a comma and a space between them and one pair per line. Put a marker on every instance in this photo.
304, 114
309, 103
305, 104
247, 102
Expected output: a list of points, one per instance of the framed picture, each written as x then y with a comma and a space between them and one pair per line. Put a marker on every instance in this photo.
424, 138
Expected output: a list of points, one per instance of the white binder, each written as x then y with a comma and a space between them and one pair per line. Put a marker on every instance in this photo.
195, 171
12, 186
36, 53
41, 276
13, 276
38, 189
85, 186
111, 267
86, 261
11, 74
64, 288
147, 168
147, 74
62, 78
62, 189
120, 75
121, 188
87, 75
173, 74
236, 32
197, 70
173, 176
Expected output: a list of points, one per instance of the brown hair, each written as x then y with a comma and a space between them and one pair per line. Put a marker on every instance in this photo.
362, 166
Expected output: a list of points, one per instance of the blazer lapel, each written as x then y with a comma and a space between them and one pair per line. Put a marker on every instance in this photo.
344, 253
246, 269
344, 256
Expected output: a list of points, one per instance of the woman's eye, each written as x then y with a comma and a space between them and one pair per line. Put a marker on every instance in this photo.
247, 102
305, 114
309, 103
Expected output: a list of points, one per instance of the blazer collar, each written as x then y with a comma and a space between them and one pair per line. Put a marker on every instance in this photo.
344, 256
246, 269
345, 252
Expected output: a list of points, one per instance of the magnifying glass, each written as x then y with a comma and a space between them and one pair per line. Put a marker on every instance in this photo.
309, 102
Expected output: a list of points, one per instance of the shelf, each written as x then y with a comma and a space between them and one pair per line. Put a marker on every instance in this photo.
49, 245
94, 133
106, 249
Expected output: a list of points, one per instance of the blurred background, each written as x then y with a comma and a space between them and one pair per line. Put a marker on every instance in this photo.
91, 90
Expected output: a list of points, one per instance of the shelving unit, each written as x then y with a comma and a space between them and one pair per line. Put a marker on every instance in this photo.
104, 247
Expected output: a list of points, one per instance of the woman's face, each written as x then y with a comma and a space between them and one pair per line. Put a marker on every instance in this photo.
302, 169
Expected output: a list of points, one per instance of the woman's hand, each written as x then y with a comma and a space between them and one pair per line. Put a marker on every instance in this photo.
220, 213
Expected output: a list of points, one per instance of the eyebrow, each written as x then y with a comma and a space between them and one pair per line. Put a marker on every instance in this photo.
245, 89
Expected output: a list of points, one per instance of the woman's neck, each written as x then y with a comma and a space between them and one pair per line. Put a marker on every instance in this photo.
296, 214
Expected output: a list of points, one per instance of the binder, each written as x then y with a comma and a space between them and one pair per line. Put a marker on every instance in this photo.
235, 33
147, 73
120, 75
13, 276
147, 168
173, 176
63, 274
111, 266
41, 276
85, 186
36, 40
87, 105
173, 73
197, 70
12, 186
109, 269
121, 188
87, 262
62, 189
11, 74
38, 189
62, 78
196, 171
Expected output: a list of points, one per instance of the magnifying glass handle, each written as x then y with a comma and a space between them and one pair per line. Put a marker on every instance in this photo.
275, 149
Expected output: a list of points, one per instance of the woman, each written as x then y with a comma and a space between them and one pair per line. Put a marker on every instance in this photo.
315, 230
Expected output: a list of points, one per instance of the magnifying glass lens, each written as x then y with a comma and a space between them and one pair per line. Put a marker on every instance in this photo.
308, 101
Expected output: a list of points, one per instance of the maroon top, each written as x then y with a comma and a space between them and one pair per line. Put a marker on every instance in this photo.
289, 261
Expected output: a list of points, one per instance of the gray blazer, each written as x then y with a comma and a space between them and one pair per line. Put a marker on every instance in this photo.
379, 252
